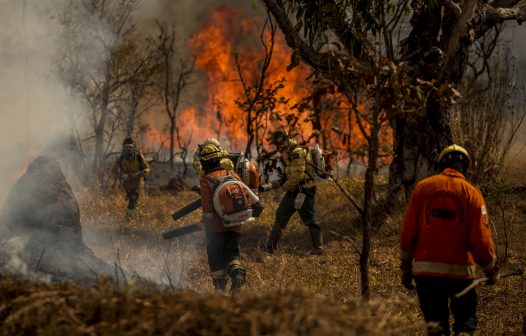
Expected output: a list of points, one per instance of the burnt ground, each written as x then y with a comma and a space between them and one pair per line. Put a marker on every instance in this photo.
287, 293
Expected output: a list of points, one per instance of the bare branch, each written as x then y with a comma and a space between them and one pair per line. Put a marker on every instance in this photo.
461, 27
495, 15
310, 56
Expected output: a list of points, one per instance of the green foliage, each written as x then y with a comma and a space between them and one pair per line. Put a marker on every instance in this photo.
315, 18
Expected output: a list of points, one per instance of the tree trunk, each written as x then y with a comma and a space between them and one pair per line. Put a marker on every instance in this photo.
101, 124
172, 141
419, 140
370, 174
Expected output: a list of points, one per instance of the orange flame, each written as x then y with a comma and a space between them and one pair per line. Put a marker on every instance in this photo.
214, 47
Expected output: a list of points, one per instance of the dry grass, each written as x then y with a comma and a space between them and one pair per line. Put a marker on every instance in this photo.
287, 293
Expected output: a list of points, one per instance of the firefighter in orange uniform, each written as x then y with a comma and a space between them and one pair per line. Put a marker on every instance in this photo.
222, 243
131, 168
445, 234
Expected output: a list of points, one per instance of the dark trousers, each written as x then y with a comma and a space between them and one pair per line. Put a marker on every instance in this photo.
307, 212
133, 197
222, 249
436, 298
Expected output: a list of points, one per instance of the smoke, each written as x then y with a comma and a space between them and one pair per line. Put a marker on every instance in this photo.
39, 114
33, 101
188, 15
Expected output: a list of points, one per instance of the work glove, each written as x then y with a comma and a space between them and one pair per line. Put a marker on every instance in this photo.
493, 275
407, 281
196, 189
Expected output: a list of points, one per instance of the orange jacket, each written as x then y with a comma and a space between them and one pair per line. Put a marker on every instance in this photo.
446, 228
211, 220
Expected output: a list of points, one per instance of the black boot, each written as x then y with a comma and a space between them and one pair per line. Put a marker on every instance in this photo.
317, 241
273, 239
237, 276
219, 279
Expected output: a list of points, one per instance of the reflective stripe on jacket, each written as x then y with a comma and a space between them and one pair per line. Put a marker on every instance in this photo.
211, 220
446, 228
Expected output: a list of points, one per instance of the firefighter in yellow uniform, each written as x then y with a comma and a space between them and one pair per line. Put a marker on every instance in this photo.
300, 191
445, 233
131, 168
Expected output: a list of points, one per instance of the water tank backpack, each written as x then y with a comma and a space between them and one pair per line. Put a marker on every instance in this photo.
321, 160
233, 200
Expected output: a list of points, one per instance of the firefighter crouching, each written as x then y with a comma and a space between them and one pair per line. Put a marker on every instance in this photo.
222, 243
131, 168
300, 193
445, 233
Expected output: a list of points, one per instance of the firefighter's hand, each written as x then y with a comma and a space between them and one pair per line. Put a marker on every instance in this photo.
196, 189
407, 281
493, 275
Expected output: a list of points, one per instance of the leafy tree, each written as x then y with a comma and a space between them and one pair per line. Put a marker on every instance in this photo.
330, 33
354, 46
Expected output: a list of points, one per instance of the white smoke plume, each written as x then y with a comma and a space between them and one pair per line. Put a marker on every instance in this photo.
34, 104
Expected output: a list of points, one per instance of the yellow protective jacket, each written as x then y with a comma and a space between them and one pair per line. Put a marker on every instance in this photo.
127, 170
446, 228
298, 167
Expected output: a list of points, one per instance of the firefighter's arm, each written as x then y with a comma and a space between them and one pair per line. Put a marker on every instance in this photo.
116, 168
144, 164
481, 241
296, 170
410, 232
206, 202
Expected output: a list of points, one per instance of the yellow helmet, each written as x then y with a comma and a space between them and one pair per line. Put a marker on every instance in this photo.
209, 152
454, 153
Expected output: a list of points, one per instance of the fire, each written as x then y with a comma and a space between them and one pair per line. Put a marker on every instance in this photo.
214, 46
